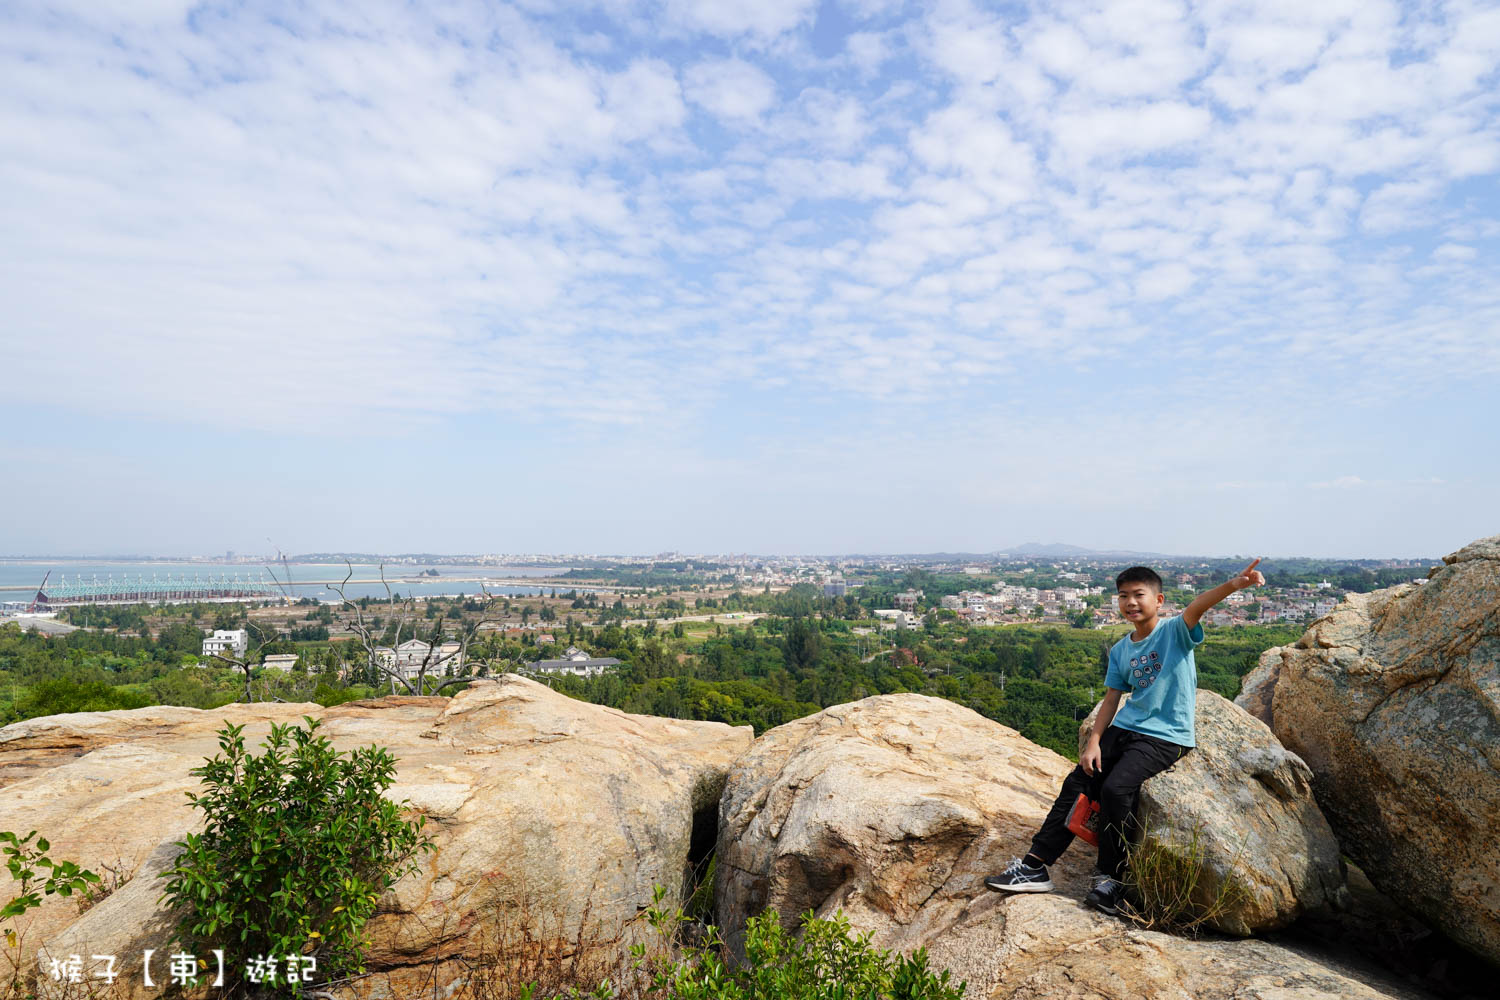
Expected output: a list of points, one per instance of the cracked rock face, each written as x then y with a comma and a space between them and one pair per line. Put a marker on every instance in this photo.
895, 808
1394, 702
548, 813
1250, 805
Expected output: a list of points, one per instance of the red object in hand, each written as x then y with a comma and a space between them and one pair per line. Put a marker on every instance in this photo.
1083, 820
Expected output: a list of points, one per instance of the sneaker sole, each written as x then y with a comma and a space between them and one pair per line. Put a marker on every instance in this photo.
1113, 911
1022, 887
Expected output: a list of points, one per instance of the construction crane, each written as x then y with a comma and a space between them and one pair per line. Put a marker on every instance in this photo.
40, 593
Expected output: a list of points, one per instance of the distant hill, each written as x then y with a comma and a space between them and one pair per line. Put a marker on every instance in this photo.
1060, 550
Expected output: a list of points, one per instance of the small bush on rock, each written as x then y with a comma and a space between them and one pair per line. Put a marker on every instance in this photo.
826, 963
298, 845
26, 858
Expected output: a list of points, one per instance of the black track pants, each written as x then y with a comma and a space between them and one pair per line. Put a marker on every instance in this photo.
1128, 759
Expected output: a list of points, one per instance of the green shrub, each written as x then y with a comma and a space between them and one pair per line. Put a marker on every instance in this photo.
26, 857
826, 962
297, 846
58, 696
328, 696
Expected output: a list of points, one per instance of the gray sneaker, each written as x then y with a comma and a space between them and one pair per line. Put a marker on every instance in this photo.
1020, 877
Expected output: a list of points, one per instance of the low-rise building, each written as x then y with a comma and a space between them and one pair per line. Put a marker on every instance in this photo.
280, 661
577, 662
406, 659
232, 643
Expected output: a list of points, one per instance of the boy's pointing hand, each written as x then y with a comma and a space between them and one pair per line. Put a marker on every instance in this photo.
1249, 577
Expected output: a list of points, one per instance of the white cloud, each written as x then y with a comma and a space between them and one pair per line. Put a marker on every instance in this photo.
644, 100
732, 89
869, 50
1398, 205
366, 216
1163, 281
1113, 133
1454, 252
765, 19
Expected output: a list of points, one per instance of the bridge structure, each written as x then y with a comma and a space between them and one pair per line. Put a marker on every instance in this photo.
156, 590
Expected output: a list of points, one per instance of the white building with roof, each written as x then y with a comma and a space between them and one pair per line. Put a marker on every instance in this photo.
406, 659
233, 643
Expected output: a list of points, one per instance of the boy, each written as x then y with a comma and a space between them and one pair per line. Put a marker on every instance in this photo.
1128, 745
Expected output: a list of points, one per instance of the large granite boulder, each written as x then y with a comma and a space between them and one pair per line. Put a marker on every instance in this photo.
553, 819
893, 809
1241, 807
1393, 700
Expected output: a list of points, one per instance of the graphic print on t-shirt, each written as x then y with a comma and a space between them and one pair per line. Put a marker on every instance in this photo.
1144, 669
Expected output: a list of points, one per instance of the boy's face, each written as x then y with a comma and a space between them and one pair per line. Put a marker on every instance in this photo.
1139, 601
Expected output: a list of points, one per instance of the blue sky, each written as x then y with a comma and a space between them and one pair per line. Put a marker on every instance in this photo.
779, 277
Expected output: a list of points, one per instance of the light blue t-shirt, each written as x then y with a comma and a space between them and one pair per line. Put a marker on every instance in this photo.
1162, 679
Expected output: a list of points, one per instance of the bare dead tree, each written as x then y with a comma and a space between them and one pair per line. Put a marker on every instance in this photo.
265, 633
461, 654
433, 660
363, 630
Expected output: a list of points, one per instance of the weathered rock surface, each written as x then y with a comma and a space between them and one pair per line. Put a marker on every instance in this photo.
1257, 686
1393, 700
895, 808
547, 813
1044, 947
1262, 843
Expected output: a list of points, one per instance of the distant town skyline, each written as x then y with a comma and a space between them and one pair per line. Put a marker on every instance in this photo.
1055, 551
802, 276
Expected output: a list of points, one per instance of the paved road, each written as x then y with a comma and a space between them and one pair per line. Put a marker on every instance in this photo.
725, 617
46, 626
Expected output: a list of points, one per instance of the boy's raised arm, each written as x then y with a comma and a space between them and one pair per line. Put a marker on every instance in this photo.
1248, 577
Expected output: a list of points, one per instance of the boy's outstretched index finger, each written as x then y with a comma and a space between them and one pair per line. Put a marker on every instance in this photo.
1251, 568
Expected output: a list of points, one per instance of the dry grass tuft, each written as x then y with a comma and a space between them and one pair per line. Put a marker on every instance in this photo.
1167, 882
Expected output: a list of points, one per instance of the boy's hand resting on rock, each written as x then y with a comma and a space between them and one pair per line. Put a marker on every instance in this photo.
1090, 759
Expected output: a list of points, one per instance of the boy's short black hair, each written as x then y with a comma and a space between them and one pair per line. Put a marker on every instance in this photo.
1139, 574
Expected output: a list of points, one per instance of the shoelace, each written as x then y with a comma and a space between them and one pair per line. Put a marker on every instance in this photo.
1015, 866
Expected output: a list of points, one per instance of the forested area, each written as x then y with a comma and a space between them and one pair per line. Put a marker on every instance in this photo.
1039, 680
808, 653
